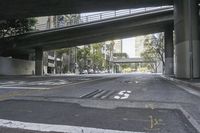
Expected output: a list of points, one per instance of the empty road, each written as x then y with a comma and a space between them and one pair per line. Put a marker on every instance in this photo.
104, 103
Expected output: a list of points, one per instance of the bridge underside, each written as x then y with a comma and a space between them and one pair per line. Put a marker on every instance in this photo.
128, 26
185, 20
32, 8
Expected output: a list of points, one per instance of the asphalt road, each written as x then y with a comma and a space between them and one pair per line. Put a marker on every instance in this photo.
121, 103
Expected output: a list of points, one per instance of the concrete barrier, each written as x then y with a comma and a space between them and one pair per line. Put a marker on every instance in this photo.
9, 66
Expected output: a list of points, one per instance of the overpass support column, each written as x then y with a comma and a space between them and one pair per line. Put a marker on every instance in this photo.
38, 62
169, 52
187, 46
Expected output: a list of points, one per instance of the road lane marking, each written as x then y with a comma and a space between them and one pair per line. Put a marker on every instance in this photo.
23, 88
49, 83
77, 83
15, 94
123, 95
153, 122
56, 128
117, 97
122, 92
36, 83
190, 118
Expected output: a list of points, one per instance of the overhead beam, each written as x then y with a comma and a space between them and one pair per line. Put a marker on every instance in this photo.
97, 31
101, 37
35, 8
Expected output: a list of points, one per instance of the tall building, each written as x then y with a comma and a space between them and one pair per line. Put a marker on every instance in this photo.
139, 45
117, 48
129, 47
52, 63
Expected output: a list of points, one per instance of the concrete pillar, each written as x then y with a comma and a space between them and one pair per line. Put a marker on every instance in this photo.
38, 62
169, 51
187, 46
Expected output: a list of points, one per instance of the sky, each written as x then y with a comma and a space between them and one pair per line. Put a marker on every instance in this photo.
128, 46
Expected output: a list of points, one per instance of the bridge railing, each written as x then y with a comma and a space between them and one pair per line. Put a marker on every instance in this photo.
98, 17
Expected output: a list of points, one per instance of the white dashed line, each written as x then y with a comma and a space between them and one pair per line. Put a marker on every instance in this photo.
56, 128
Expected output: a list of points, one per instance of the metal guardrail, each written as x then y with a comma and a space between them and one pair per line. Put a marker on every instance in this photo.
99, 17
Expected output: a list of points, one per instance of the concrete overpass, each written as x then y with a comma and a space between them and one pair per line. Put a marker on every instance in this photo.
35, 8
120, 27
114, 28
116, 62
32, 8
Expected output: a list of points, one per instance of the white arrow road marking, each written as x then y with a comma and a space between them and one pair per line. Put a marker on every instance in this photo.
56, 128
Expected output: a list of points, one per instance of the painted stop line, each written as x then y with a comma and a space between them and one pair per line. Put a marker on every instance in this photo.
123, 95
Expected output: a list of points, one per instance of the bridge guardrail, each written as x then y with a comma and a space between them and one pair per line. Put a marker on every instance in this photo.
98, 17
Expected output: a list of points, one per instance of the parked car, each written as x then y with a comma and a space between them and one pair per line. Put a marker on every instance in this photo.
84, 72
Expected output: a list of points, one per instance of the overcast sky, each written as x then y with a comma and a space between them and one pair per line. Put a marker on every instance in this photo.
128, 46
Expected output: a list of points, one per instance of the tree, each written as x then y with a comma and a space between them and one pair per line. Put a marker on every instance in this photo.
65, 67
110, 48
13, 27
91, 53
154, 50
97, 56
60, 52
82, 56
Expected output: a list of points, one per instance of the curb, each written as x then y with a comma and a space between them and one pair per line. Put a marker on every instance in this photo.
181, 82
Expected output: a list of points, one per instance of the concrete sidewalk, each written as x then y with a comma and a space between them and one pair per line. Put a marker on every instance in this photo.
194, 84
